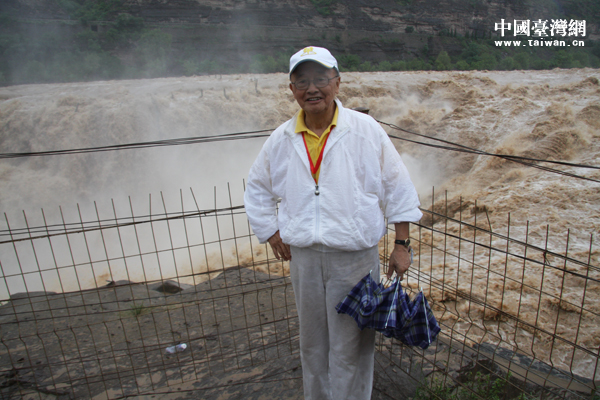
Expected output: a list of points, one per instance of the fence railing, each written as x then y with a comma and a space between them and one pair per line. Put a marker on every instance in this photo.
94, 304
518, 308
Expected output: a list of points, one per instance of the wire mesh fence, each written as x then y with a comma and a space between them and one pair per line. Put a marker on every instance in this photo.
128, 300
518, 308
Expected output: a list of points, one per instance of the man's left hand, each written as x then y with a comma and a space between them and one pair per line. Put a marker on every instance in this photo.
399, 261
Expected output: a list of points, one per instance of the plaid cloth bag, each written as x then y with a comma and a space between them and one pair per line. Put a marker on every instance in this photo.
390, 311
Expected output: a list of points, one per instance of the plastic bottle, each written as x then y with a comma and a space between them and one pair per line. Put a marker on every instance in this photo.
176, 348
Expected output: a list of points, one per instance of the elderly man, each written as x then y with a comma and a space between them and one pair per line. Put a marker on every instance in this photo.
338, 177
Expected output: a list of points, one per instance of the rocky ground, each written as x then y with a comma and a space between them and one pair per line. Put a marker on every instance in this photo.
240, 329
241, 332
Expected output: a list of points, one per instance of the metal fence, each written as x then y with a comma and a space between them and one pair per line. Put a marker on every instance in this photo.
128, 301
519, 317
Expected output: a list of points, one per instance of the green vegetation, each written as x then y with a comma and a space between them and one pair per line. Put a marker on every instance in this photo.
576, 9
437, 391
152, 52
477, 386
93, 10
267, 64
483, 54
52, 55
323, 6
137, 309
442, 62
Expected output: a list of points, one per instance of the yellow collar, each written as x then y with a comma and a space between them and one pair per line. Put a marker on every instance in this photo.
301, 125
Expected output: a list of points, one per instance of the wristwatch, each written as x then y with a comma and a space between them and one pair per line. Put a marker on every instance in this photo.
404, 243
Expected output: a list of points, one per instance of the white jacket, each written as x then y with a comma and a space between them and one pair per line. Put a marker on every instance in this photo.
362, 179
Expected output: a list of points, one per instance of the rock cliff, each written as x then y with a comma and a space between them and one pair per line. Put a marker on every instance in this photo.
425, 16
233, 31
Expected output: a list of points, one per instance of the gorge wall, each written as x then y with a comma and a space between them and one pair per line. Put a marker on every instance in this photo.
233, 30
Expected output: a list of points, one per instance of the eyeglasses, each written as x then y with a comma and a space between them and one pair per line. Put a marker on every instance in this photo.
320, 82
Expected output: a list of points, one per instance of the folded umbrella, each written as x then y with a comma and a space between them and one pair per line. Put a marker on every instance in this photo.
390, 311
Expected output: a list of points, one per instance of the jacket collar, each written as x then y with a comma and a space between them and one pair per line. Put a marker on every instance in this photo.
336, 134
342, 122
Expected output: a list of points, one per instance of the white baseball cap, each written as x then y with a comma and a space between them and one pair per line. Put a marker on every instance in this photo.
317, 54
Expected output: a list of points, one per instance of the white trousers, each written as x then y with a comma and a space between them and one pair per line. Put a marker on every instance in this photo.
337, 357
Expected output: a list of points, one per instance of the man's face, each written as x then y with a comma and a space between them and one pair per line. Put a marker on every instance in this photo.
314, 100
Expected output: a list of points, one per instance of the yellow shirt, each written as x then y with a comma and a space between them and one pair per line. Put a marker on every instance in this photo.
314, 143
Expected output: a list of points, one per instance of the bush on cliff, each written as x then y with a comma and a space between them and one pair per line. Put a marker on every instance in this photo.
95, 10
443, 62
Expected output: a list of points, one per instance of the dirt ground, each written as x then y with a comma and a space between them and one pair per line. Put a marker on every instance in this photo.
241, 332
240, 328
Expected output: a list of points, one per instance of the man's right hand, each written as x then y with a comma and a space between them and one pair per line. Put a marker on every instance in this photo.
280, 249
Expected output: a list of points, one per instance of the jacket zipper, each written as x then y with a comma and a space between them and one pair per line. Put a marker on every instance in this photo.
318, 217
